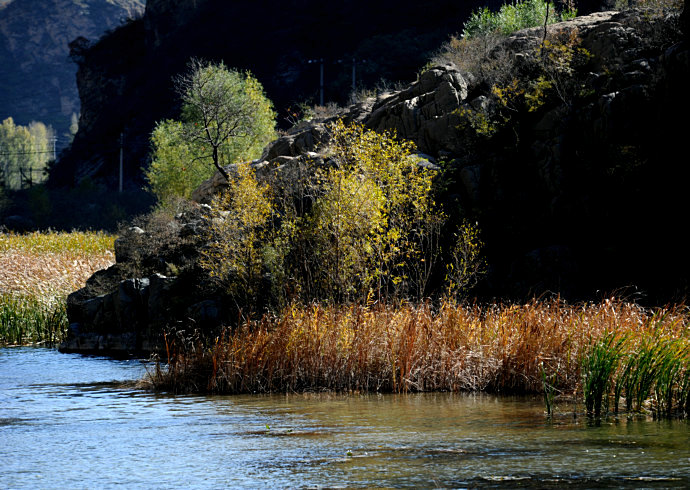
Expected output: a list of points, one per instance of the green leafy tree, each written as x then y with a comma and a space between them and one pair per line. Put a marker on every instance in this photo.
226, 118
174, 171
24, 152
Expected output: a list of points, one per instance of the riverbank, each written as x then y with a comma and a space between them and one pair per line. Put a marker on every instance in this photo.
539, 347
37, 272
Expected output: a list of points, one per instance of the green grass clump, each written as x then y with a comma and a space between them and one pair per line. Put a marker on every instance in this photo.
30, 320
512, 17
648, 369
598, 366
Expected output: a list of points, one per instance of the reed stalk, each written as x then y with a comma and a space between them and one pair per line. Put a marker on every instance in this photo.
37, 272
598, 366
545, 347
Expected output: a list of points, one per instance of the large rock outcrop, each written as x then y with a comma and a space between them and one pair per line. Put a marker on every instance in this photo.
153, 288
125, 80
563, 192
580, 196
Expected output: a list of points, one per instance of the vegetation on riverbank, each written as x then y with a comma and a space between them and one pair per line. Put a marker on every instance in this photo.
37, 272
506, 348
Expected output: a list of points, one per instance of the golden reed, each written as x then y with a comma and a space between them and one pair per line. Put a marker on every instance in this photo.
407, 348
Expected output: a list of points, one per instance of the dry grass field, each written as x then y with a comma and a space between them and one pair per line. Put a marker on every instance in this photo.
37, 272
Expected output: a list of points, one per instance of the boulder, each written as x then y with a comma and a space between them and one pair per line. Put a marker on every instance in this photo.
426, 112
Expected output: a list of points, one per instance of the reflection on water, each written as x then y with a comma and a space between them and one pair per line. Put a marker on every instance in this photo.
73, 421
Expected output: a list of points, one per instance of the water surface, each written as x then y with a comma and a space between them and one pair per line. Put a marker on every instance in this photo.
73, 421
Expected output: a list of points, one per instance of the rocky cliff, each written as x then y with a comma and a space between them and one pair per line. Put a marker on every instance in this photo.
125, 80
574, 195
578, 186
38, 78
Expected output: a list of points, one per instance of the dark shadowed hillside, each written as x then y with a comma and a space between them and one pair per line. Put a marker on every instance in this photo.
125, 79
37, 78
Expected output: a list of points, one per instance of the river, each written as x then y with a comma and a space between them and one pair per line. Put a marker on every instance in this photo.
71, 421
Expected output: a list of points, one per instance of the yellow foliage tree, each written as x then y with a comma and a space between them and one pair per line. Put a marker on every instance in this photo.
370, 229
368, 225
233, 256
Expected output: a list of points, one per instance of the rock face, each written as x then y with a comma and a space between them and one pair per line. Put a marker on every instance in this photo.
38, 78
564, 192
127, 308
426, 111
125, 81
579, 196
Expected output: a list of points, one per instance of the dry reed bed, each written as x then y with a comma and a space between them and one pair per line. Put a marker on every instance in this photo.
50, 274
409, 348
37, 272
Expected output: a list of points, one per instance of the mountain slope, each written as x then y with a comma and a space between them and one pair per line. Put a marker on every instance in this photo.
38, 77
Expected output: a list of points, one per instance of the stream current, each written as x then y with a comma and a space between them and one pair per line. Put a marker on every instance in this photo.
72, 421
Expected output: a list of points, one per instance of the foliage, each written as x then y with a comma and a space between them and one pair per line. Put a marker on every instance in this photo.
174, 170
362, 226
465, 264
368, 222
562, 61
345, 228
234, 255
478, 50
24, 153
556, 75
226, 118
224, 112
512, 17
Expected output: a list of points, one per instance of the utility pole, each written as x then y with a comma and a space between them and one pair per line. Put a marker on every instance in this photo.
122, 144
320, 60
321, 84
54, 149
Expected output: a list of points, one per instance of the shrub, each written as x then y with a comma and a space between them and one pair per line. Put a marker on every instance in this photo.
233, 256
477, 50
364, 226
369, 225
512, 17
